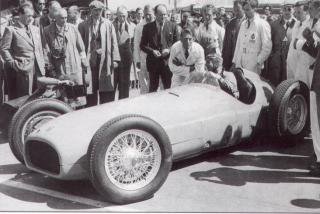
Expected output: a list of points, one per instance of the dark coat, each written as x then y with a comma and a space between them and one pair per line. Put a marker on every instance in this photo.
276, 65
42, 22
149, 42
230, 41
22, 55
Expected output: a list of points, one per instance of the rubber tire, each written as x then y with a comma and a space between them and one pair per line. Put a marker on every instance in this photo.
280, 98
98, 148
24, 113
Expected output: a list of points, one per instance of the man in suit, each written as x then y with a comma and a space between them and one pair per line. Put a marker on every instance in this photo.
281, 29
139, 56
157, 39
45, 20
22, 54
102, 51
125, 34
231, 35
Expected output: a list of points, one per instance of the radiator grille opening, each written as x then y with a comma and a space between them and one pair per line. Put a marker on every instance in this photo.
42, 156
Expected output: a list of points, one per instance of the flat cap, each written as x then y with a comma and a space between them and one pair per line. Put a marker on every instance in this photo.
97, 5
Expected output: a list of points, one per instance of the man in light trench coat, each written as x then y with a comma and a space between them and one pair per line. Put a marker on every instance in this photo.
102, 51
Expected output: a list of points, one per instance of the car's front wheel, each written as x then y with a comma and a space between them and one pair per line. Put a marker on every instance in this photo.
30, 117
130, 158
289, 109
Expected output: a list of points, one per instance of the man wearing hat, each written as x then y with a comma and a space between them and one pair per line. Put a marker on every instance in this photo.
102, 51
254, 40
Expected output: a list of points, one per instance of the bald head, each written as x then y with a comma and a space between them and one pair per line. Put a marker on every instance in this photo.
53, 8
161, 13
61, 17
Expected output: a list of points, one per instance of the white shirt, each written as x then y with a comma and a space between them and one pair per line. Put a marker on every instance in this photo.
138, 55
212, 37
196, 58
253, 45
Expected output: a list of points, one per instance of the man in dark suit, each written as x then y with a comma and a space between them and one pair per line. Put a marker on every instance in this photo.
231, 35
276, 65
157, 38
22, 54
45, 20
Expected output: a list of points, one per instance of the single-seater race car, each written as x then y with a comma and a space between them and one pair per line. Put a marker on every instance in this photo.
126, 148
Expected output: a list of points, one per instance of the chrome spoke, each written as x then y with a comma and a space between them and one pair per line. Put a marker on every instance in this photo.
133, 159
296, 114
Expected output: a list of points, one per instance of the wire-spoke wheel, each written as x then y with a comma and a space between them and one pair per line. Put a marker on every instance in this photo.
130, 158
35, 121
289, 111
133, 159
296, 114
30, 117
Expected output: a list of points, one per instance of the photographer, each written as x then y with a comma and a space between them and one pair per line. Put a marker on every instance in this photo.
65, 49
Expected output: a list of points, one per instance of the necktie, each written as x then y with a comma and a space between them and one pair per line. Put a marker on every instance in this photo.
186, 54
249, 23
28, 31
120, 28
287, 25
159, 34
315, 20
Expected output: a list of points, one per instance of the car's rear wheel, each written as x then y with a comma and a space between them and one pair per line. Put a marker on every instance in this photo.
130, 158
289, 108
29, 118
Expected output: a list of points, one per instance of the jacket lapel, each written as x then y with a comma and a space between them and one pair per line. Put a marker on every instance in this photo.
22, 32
155, 30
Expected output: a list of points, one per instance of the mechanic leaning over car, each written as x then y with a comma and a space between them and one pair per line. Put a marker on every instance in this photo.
186, 57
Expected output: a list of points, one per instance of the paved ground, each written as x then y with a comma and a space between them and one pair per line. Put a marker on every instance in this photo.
251, 177
247, 178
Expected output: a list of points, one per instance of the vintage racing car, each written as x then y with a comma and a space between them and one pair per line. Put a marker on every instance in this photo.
126, 148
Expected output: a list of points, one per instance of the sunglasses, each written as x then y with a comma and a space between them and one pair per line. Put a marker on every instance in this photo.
287, 9
41, 3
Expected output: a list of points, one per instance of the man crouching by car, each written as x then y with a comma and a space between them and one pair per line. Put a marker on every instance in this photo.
192, 71
186, 57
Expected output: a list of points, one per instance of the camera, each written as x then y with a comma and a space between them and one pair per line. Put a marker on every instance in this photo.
58, 54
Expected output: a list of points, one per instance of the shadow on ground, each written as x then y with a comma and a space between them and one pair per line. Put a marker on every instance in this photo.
82, 188
306, 203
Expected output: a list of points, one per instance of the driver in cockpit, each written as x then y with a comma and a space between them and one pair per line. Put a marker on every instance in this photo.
243, 89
